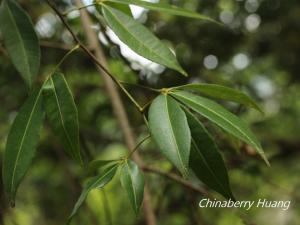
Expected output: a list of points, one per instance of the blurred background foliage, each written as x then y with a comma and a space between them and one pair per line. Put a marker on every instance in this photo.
257, 51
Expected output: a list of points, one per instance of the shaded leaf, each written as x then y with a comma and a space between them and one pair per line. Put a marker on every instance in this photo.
222, 117
206, 160
222, 92
169, 128
62, 114
21, 143
20, 40
96, 182
139, 38
98, 164
132, 181
166, 8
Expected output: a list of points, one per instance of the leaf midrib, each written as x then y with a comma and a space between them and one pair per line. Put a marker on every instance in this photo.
141, 43
228, 121
23, 49
207, 165
173, 136
61, 117
23, 138
134, 191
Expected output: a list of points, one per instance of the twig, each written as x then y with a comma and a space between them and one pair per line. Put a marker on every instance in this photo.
91, 55
177, 179
138, 145
117, 103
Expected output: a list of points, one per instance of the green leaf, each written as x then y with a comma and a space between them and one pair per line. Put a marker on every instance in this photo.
222, 92
97, 164
139, 38
222, 117
206, 160
20, 40
21, 143
165, 8
122, 7
62, 114
96, 182
169, 128
132, 181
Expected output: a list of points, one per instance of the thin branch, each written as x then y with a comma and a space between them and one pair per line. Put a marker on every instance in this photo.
138, 145
177, 179
78, 8
92, 56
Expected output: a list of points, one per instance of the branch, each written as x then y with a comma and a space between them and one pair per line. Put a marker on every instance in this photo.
91, 55
117, 103
176, 178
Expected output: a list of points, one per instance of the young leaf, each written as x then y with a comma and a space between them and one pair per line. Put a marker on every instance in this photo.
165, 8
20, 40
222, 117
132, 181
21, 143
62, 114
169, 128
222, 92
206, 160
139, 38
96, 182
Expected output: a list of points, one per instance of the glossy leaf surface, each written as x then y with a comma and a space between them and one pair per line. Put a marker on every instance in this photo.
169, 128
21, 143
220, 116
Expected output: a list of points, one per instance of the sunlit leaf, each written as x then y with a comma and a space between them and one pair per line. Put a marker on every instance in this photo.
222, 117
165, 8
132, 181
169, 128
221, 92
21, 143
62, 114
139, 38
20, 40
96, 182
206, 160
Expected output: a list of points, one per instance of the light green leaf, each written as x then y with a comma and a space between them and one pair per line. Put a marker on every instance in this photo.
132, 181
139, 38
20, 40
222, 117
122, 7
206, 160
222, 92
165, 8
21, 143
96, 182
169, 128
62, 114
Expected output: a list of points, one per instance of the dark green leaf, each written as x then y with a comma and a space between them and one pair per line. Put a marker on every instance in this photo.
222, 117
222, 92
166, 8
169, 128
206, 160
139, 38
96, 182
132, 181
62, 114
22, 142
99, 164
20, 40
